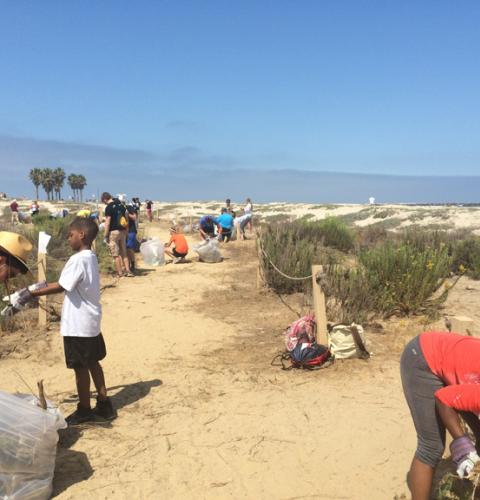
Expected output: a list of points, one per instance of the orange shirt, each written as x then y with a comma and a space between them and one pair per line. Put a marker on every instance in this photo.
181, 245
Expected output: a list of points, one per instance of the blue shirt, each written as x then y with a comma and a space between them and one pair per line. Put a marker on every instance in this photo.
225, 220
207, 222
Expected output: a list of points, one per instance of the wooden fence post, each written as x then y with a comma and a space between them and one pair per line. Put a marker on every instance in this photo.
319, 306
42, 301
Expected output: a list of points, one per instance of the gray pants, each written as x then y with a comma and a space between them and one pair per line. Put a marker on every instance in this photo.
419, 385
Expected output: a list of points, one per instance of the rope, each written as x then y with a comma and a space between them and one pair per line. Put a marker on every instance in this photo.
281, 272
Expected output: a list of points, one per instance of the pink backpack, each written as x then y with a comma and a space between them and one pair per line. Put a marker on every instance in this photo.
300, 331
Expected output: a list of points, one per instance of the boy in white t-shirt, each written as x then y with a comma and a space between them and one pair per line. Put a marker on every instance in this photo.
80, 324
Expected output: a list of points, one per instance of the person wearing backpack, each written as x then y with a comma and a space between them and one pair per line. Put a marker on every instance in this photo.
116, 225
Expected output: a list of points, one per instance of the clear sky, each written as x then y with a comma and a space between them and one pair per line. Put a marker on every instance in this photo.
141, 95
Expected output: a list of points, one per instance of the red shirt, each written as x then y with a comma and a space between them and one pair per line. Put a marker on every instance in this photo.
455, 359
14, 206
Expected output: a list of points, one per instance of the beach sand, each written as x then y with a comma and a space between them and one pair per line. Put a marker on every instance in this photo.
202, 414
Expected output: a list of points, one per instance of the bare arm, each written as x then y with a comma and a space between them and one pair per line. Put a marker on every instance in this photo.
50, 289
107, 227
450, 419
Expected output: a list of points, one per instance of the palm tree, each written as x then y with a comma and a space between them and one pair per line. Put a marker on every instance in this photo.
35, 176
58, 180
72, 182
47, 181
82, 182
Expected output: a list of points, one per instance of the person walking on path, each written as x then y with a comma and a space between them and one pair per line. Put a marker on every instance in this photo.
14, 210
132, 242
81, 321
149, 205
441, 381
116, 225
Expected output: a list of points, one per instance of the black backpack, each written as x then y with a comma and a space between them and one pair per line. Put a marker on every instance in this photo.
120, 215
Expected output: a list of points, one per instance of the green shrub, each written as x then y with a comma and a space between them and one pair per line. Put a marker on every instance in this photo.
403, 279
466, 257
293, 248
347, 297
335, 233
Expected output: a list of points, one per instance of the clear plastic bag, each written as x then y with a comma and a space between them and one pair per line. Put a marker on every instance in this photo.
153, 252
28, 446
208, 251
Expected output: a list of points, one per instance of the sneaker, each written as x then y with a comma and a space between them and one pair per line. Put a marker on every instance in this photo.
105, 409
129, 274
177, 260
80, 416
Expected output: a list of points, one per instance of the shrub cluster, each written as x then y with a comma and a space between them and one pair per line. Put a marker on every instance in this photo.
293, 247
390, 273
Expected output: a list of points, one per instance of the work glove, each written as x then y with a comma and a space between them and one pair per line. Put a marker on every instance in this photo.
19, 299
464, 455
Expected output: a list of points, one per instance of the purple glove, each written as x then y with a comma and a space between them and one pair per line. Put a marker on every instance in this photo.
464, 455
24, 296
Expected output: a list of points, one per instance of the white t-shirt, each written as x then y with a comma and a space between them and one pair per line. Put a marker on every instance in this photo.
81, 311
248, 208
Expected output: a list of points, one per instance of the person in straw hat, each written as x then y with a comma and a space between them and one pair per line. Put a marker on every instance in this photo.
14, 253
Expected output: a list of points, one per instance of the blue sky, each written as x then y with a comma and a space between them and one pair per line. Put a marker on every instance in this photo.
211, 93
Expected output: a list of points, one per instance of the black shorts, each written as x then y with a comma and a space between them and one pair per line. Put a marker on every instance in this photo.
226, 234
80, 352
178, 254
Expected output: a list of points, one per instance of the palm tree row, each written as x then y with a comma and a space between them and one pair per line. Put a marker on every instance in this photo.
77, 183
52, 181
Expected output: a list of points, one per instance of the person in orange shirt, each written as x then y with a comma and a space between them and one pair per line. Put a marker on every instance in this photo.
180, 246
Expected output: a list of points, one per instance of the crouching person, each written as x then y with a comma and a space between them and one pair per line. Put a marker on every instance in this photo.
80, 322
177, 247
441, 381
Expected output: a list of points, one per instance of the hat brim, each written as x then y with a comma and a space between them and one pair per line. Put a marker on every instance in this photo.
19, 262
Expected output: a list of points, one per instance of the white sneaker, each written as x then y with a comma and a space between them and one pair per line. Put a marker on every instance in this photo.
177, 260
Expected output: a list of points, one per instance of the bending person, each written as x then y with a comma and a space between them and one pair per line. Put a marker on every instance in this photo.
225, 225
441, 381
207, 226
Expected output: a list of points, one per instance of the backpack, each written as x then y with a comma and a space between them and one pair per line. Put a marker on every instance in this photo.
120, 215
300, 331
302, 351
308, 355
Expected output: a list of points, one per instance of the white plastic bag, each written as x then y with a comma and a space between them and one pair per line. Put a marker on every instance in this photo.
208, 251
153, 252
28, 446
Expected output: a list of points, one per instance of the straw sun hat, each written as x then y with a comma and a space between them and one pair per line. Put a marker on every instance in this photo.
17, 246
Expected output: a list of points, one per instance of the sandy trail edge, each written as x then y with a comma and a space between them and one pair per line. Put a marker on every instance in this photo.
191, 426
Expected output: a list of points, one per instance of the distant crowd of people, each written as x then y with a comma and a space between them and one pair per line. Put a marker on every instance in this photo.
120, 221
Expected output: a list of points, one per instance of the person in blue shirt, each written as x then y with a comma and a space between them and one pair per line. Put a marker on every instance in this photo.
225, 225
207, 227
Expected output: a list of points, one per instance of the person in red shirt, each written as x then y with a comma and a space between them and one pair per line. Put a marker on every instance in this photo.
14, 210
441, 381
180, 246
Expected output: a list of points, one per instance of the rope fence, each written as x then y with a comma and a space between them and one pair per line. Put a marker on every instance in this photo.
294, 278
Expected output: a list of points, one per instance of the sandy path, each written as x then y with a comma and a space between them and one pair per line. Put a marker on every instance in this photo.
191, 425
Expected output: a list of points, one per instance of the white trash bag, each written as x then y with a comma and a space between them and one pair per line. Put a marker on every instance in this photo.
153, 252
208, 251
28, 447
